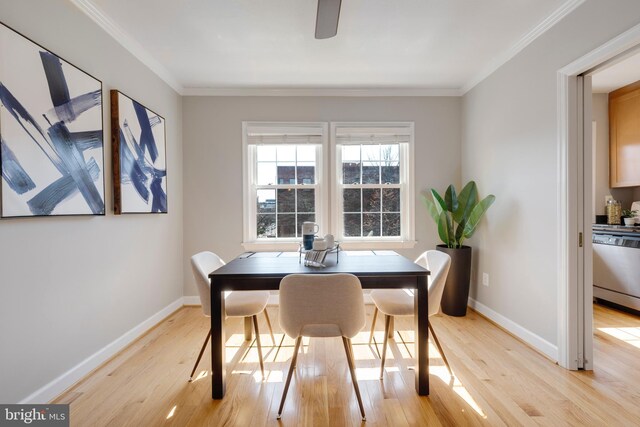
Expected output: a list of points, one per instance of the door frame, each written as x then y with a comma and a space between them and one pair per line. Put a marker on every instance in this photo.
575, 171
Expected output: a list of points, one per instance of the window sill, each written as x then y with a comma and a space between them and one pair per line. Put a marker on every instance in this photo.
348, 246
271, 246
376, 244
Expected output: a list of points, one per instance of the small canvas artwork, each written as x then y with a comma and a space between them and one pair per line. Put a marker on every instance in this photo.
51, 140
139, 157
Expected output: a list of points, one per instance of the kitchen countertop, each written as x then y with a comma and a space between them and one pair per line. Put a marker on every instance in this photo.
606, 228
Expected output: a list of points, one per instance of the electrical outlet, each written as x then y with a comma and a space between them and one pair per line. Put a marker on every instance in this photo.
485, 279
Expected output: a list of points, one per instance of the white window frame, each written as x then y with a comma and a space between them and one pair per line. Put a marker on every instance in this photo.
250, 240
407, 185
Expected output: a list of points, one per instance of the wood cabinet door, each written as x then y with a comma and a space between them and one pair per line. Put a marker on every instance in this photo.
624, 136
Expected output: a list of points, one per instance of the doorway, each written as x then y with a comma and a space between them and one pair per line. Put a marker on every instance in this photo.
576, 198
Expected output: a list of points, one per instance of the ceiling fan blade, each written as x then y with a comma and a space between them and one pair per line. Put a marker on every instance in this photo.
327, 18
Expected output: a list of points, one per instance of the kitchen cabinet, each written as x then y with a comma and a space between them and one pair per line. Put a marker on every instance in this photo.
624, 136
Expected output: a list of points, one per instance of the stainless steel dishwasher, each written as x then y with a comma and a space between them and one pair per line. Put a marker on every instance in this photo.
616, 265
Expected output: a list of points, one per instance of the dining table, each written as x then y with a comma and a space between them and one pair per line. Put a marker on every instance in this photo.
252, 271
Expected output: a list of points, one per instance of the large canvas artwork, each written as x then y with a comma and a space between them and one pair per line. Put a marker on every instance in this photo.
51, 141
139, 157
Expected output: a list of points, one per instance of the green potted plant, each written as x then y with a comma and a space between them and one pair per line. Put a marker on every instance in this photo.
457, 216
629, 217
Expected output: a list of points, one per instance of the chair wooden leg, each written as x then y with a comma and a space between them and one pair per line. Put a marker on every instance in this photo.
352, 368
373, 323
255, 326
286, 385
435, 340
387, 324
206, 340
266, 316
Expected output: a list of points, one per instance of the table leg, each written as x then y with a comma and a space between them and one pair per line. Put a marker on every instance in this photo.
218, 369
421, 318
248, 331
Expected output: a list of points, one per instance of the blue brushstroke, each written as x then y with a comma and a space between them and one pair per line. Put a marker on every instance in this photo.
133, 170
58, 89
22, 116
76, 166
87, 140
159, 202
66, 109
155, 120
147, 142
13, 172
133, 142
61, 189
69, 111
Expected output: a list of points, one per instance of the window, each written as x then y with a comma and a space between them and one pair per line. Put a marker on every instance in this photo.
287, 182
373, 189
284, 173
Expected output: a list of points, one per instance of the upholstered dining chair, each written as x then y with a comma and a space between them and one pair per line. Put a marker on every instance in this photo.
322, 305
398, 302
237, 304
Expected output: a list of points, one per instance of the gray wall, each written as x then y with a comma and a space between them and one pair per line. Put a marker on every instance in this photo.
213, 155
509, 145
69, 286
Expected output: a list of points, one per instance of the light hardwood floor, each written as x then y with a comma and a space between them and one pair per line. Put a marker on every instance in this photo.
498, 380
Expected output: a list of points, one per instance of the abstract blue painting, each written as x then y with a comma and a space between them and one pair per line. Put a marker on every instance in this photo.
139, 157
51, 143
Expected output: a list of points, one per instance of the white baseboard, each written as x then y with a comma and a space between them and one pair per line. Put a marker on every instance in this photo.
539, 343
53, 389
191, 300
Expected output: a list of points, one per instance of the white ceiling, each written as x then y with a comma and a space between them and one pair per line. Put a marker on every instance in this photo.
617, 75
432, 45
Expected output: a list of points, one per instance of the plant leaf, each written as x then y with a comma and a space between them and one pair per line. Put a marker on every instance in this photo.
443, 228
459, 237
432, 209
451, 198
440, 204
476, 214
466, 202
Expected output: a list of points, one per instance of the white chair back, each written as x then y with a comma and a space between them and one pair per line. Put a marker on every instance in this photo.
438, 264
203, 264
321, 305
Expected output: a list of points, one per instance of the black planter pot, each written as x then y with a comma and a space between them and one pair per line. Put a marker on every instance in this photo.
456, 289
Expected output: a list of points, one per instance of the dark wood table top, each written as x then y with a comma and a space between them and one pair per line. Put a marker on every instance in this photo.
276, 265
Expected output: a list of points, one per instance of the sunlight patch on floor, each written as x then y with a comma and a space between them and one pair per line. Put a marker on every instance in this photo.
269, 376
629, 335
368, 374
201, 375
171, 412
443, 373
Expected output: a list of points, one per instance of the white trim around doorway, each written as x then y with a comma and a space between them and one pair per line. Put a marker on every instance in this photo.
569, 173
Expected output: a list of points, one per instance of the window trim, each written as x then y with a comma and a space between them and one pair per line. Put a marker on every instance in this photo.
407, 202
329, 214
249, 209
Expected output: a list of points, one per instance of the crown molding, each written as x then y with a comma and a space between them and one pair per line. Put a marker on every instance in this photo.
194, 91
122, 37
498, 61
